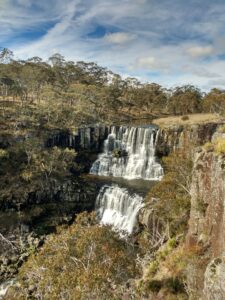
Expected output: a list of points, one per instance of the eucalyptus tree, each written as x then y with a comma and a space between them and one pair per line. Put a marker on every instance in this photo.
185, 99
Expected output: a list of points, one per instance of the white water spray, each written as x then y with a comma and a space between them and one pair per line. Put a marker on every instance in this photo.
116, 207
129, 152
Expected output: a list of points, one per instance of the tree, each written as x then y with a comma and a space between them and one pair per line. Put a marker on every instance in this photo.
6, 55
184, 100
214, 101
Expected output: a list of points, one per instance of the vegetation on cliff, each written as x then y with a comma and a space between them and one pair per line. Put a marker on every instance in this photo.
84, 261
162, 240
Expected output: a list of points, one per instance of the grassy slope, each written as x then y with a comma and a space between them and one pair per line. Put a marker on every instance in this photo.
193, 119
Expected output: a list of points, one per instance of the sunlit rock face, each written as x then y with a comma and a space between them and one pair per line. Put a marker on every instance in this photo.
129, 152
206, 276
117, 207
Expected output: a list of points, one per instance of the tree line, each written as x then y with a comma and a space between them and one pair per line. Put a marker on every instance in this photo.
93, 90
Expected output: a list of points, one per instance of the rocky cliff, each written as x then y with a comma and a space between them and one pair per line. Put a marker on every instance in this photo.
178, 137
174, 137
86, 138
206, 276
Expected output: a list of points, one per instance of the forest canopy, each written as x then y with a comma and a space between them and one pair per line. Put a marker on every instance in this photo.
66, 90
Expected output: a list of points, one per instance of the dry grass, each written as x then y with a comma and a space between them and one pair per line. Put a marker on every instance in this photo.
192, 119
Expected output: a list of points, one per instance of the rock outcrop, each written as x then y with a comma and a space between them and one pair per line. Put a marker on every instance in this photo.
72, 190
86, 138
206, 275
175, 137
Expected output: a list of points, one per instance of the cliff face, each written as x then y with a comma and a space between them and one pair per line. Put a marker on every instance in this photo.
72, 190
206, 276
87, 138
176, 137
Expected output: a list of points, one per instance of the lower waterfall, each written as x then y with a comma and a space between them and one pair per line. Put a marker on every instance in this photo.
116, 207
129, 152
4, 287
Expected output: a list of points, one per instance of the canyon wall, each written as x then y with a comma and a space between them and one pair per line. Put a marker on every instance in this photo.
206, 276
86, 138
175, 137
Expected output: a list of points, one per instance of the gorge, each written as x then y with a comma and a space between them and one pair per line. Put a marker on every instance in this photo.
127, 154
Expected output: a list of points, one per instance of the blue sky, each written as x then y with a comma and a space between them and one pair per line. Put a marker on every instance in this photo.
170, 42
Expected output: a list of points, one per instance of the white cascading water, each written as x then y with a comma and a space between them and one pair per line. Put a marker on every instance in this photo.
116, 207
129, 152
4, 287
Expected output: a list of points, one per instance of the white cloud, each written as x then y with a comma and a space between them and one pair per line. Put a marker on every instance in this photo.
119, 37
217, 83
200, 51
200, 71
146, 38
151, 62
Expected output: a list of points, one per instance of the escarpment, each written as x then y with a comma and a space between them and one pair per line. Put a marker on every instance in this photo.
184, 137
206, 276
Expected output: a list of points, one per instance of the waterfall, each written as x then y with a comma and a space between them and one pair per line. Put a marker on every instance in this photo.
116, 207
4, 287
129, 152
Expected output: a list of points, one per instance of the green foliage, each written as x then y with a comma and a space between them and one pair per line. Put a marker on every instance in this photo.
214, 101
72, 93
84, 261
3, 153
221, 129
173, 193
155, 285
208, 147
119, 153
219, 146
186, 99
169, 201
28, 167
166, 272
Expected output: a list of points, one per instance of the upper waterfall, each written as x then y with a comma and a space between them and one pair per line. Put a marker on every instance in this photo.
129, 152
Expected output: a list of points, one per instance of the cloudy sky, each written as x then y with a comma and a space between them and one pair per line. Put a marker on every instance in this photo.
170, 42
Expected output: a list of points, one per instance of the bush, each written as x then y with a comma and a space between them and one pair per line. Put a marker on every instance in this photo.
155, 285
85, 261
220, 146
208, 147
174, 285
3, 153
184, 118
221, 129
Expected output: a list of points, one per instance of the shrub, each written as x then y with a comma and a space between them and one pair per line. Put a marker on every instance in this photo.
208, 147
184, 118
3, 153
155, 285
174, 285
221, 129
220, 146
84, 261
